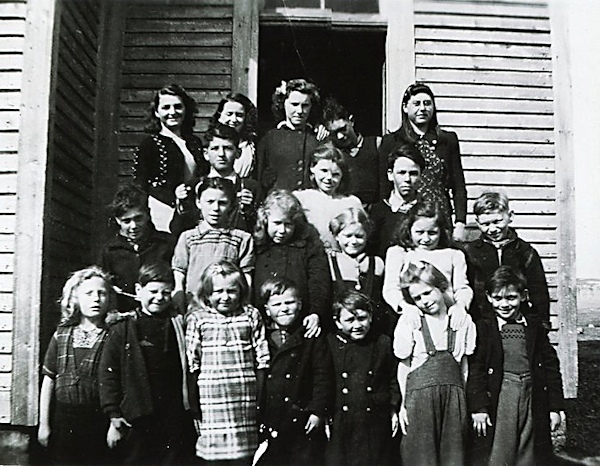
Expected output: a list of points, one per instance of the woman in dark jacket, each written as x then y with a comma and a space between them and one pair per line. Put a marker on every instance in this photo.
443, 172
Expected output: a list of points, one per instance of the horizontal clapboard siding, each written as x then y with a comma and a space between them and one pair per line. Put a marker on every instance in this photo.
490, 66
172, 42
70, 203
12, 38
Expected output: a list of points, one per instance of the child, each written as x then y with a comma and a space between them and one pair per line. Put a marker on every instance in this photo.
227, 353
367, 396
500, 245
329, 174
283, 153
211, 240
299, 386
71, 421
404, 171
238, 112
143, 387
352, 268
221, 152
361, 153
136, 243
514, 388
287, 247
423, 236
432, 372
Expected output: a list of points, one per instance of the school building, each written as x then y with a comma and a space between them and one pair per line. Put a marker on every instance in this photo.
76, 77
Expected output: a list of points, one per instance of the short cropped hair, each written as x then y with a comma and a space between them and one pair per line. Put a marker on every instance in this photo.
224, 268
327, 151
333, 110
219, 130
491, 202
277, 286
407, 150
421, 272
129, 196
159, 271
503, 277
352, 301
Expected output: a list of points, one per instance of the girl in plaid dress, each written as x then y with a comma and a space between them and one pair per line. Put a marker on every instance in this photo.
227, 354
71, 421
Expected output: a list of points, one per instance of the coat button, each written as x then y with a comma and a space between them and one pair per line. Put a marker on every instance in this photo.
288, 376
345, 408
370, 372
286, 399
368, 409
369, 389
270, 376
344, 375
345, 391
490, 371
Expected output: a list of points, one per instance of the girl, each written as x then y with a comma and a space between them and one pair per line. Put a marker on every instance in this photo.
283, 153
443, 171
352, 268
171, 155
432, 372
287, 247
227, 354
328, 173
71, 420
211, 240
238, 112
423, 236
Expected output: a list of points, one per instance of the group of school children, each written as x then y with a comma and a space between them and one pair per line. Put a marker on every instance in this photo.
282, 324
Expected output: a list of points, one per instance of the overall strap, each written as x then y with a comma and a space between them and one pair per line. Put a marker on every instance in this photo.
451, 338
336, 268
367, 286
429, 346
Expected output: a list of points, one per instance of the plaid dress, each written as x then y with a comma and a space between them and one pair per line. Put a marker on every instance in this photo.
226, 350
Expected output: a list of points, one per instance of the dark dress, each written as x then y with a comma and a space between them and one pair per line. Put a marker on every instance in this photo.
366, 393
299, 383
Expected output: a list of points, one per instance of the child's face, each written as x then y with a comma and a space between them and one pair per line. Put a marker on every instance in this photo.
342, 133
225, 296
355, 325
425, 233
170, 111
327, 176
405, 176
280, 227
234, 115
427, 298
284, 308
506, 302
419, 109
221, 153
154, 296
495, 225
92, 298
352, 239
297, 107
133, 224
214, 206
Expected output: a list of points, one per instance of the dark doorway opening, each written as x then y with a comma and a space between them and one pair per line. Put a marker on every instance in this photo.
345, 64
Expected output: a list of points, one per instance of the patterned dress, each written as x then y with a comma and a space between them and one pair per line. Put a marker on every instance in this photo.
226, 351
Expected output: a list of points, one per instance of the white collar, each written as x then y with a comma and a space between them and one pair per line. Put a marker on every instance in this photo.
215, 174
398, 204
501, 322
288, 125
170, 134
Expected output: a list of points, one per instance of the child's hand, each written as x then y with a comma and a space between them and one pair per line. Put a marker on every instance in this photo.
114, 435
245, 197
181, 192
321, 133
555, 420
412, 314
403, 418
44, 434
458, 316
395, 423
312, 423
459, 232
481, 421
311, 323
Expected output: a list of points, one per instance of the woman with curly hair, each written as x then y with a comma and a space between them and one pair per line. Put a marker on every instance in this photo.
171, 155
284, 152
238, 112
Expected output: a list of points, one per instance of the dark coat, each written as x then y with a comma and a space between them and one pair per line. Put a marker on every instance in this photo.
482, 262
485, 381
159, 165
123, 262
299, 383
385, 224
366, 393
447, 149
303, 261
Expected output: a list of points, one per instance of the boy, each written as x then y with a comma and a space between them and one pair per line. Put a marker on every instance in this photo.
221, 152
135, 243
361, 154
405, 165
299, 386
514, 388
367, 394
499, 245
142, 377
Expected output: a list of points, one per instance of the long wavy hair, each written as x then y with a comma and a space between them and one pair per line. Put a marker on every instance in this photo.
286, 88
423, 209
284, 201
250, 128
406, 130
189, 103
